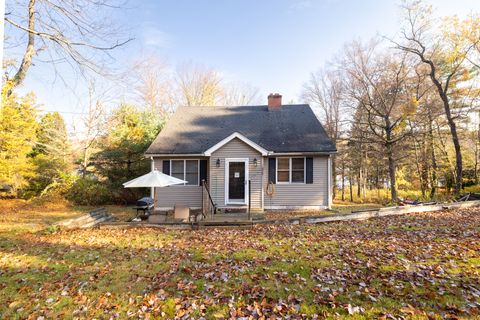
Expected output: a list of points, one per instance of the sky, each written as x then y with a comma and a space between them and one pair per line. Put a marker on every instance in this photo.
270, 44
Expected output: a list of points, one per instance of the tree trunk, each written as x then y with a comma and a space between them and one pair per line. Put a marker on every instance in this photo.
85, 162
365, 175
434, 180
351, 187
129, 167
451, 123
29, 51
391, 160
343, 181
391, 168
477, 147
359, 183
359, 173
391, 172
458, 155
419, 169
425, 165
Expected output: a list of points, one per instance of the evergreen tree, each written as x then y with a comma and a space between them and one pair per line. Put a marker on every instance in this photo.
18, 126
52, 152
122, 158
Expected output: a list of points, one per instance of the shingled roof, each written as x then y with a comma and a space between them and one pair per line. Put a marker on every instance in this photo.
292, 128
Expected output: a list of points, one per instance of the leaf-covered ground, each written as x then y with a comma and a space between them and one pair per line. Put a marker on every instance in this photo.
336, 208
417, 266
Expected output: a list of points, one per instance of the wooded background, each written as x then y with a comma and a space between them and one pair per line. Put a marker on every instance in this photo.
402, 109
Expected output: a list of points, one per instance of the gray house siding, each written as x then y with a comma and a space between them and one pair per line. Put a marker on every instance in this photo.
301, 195
286, 196
235, 149
167, 197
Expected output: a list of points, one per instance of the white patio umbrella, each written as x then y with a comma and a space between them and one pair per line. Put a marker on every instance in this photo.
153, 179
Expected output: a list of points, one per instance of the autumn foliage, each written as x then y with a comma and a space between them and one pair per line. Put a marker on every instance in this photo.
422, 266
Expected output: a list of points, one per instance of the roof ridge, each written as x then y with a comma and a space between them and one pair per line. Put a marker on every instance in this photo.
248, 105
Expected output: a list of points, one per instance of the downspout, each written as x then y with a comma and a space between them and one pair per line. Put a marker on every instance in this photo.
329, 181
152, 189
262, 177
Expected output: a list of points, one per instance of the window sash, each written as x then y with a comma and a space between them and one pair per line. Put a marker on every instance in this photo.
189, 173
297, 170
177, 169
283, 170
291, 172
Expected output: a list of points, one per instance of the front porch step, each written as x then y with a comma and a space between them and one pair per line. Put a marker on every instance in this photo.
239, 215
234, 210
223, 224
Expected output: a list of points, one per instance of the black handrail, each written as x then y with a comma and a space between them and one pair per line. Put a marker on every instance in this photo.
205, 186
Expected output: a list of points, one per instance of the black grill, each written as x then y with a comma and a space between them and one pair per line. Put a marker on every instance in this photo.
144, 205
145, 202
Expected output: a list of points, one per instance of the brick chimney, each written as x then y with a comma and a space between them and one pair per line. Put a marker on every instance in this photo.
274, 101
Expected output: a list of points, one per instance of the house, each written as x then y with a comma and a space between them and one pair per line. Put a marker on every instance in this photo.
267, 157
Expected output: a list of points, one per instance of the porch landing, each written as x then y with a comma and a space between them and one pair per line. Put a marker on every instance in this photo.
223, 221
225, 218
229, 219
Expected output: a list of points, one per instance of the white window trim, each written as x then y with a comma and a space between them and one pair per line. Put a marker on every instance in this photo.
290, 170
227, 181
185, 172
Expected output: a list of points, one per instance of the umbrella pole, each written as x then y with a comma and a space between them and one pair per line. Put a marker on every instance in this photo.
154, 199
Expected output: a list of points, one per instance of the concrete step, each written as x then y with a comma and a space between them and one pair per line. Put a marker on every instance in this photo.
90, 219
85, 219
97, 221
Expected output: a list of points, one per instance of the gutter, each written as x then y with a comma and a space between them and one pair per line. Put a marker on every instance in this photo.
169, 155
270, 153
310, 153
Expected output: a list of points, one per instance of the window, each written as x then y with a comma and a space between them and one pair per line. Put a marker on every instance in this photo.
177, 167
298, 170
283, 171
191, 172
290, 170
187, 170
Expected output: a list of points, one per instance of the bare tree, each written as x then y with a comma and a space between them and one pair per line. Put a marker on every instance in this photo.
239, 94
93, 127
73, 32
325, 92
153, 85
198, 85
445, 56
379, 84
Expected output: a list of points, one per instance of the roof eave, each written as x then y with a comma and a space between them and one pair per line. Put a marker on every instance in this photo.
302, 153
149, 155
307, 153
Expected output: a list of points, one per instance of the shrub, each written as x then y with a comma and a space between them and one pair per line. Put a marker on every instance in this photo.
88, 192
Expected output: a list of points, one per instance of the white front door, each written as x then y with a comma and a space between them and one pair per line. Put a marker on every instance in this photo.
236, 181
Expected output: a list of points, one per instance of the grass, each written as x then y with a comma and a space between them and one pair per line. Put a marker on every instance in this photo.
383, 195
417, 266
338, 206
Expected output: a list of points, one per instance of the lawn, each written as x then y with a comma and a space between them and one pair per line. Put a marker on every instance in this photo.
418, 266
337, 207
